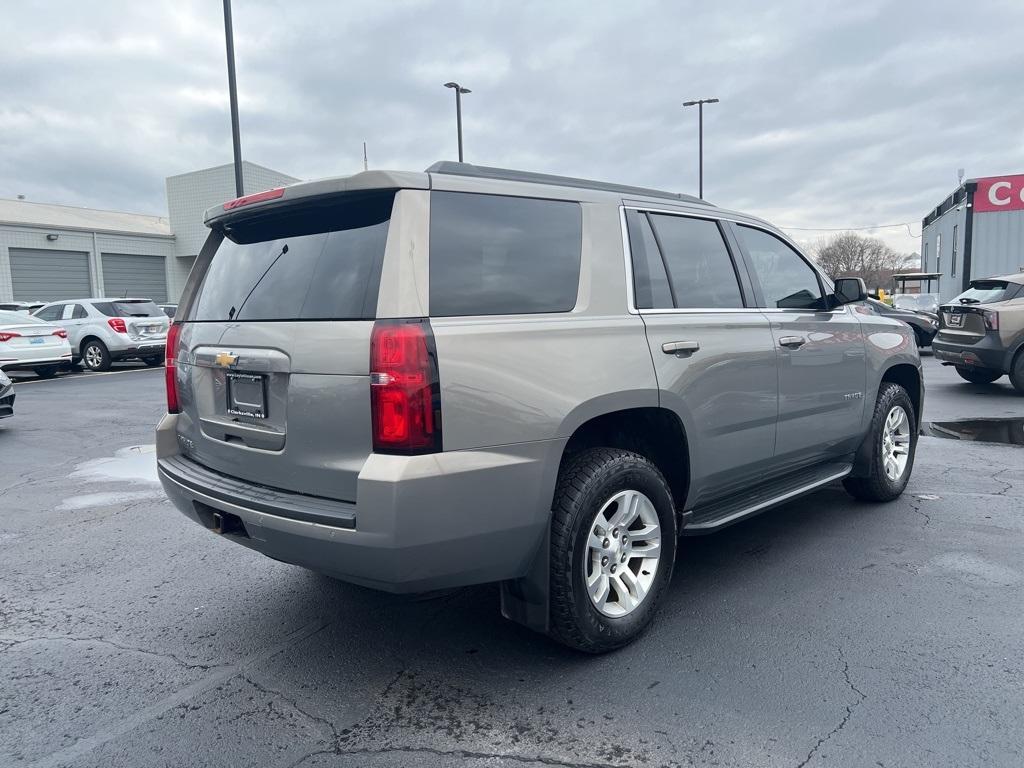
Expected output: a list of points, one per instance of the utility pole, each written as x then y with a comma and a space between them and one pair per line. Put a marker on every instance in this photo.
236, 141
366, 164
459, 90
699, 103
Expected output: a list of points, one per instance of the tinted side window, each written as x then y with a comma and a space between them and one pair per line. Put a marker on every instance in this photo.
80, 313
699, 264
496, 255
788, 282
50, 313
650, 283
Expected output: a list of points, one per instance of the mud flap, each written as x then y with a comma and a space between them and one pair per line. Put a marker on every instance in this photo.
526, 600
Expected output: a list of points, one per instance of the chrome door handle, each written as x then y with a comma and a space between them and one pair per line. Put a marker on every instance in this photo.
682, 348
793, 342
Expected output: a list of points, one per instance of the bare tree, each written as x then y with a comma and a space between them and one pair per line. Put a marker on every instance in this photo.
851, 255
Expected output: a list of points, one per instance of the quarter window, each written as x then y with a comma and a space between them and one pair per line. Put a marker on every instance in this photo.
650, 281
788, 282
499, 255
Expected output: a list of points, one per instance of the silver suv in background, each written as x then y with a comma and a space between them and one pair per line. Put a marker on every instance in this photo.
415, 381
104, 330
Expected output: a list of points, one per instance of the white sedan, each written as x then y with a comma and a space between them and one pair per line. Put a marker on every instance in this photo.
28, 343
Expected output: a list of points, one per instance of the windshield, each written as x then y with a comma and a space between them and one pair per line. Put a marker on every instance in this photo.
919, 302
987, 292
129, 308
18, 318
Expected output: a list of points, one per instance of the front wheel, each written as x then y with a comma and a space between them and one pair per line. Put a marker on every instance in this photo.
978, 375
613, 543
892, 444
46, 371
153, 362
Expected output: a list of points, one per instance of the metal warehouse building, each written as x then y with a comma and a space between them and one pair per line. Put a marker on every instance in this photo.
50, 252
976, 232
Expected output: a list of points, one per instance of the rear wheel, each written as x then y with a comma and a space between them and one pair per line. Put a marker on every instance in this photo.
613, 542
978, 375
1017, 372
96, 356
46, 371
153, 362
893, 442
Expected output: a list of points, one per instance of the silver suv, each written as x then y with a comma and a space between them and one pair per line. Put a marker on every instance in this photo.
416, 381
104, 330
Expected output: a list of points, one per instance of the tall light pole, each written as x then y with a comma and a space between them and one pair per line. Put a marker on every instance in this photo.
459, 90
699, 103
229, 37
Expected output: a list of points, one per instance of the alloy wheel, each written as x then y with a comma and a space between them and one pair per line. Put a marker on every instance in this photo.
622, 556
895, 443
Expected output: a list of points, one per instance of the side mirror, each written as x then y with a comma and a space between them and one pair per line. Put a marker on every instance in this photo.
850, 289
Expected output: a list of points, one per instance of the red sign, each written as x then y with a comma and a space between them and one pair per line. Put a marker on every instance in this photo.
999, 193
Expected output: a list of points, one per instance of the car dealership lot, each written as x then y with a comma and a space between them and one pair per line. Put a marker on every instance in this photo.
826, 632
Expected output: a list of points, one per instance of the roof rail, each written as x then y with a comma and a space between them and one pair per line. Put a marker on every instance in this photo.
452, 168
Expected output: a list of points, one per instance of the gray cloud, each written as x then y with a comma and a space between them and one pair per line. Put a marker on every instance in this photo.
832, 113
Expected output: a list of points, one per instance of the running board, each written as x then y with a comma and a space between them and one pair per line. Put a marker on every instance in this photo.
732, 509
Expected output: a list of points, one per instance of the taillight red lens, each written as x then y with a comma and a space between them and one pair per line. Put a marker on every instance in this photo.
117, 324
8, 335
60, 332
405, 398
170, 368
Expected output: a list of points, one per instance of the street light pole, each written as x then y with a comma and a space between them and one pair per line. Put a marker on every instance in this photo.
236, 141
700, 139
459, 90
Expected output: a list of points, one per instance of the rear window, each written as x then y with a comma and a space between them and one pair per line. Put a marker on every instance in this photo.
129, 308
320, 261
987, 292
498, 255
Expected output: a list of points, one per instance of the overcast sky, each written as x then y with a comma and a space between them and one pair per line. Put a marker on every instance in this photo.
832, 114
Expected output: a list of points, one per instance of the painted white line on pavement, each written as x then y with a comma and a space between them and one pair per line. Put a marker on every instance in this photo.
83, 375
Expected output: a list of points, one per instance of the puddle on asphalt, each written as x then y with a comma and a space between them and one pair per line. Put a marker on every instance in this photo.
94, 500
134, 464
1009, 431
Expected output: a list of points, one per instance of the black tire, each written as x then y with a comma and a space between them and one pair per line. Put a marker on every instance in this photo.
1017, 371
153, 362
96, 356
585, 484
46, 371
877, 486
978, 375
918, 337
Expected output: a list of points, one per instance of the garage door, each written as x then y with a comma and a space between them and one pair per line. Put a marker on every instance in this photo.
45, 275
140, 277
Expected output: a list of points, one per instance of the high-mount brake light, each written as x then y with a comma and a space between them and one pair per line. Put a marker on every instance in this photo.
405, 401
256, 197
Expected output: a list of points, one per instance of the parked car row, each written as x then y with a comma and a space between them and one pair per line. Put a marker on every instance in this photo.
91, 332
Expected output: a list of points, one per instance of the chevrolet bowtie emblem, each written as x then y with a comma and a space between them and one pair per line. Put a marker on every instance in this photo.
225, 359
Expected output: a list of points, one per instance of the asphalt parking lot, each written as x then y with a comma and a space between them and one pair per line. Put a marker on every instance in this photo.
824, 633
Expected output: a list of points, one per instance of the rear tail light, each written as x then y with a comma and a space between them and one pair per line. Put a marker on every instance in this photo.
991, 319
170, 368
8, 335
118, 324
405, 391
60, 332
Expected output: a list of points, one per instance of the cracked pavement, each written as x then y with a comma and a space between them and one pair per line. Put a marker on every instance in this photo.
823, 633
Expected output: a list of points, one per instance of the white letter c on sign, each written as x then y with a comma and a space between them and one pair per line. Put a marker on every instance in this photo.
995, 188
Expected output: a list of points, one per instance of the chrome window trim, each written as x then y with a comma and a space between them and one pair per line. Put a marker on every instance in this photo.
628, 258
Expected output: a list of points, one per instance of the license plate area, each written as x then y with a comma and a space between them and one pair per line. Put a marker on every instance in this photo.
956, 320
247, 395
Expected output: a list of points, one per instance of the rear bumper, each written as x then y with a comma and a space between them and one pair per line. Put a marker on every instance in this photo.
420, 523
28, 365
138, 349
986, 353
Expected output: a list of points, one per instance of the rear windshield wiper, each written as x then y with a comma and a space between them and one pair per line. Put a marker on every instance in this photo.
969, 300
